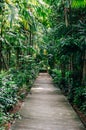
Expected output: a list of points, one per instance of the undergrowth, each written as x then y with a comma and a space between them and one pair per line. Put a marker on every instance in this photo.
14, 85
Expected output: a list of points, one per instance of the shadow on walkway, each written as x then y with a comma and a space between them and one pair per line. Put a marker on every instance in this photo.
47, 109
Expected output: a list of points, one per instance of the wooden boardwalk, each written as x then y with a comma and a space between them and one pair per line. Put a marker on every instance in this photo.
47, 109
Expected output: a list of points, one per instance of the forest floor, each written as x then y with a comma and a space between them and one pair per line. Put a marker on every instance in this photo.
46, 109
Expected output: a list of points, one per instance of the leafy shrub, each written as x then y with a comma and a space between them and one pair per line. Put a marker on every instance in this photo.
61, 82
8, 96
3, 119
76, 95
56, 75
14, 84
80, 98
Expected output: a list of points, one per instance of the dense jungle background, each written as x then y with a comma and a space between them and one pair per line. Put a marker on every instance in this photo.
38, 36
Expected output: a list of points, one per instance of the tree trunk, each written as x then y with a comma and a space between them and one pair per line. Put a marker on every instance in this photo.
66, 17
84, 67
63, 70
18, 53
5, 66
8, 56
1, 64
30, 36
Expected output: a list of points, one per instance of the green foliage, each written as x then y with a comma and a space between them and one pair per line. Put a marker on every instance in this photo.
67, 46
8, 96
31, 41
56, 75
3, 118
14, 85
19, 35
80, 98
59, 80
78, 3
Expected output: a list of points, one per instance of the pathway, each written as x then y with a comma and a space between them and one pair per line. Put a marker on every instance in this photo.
47, 109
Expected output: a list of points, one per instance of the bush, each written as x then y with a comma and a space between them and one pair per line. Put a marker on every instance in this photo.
80, 98
56, 75
3, 119
61, 82
76, 95
8, 92
14, 85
